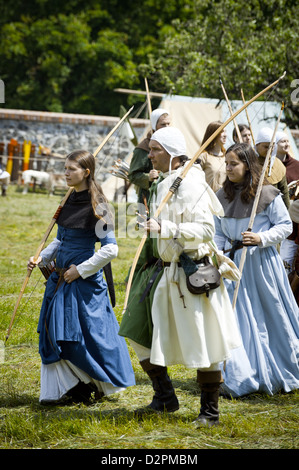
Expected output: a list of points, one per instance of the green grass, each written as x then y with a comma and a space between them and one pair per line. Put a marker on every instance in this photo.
255, 422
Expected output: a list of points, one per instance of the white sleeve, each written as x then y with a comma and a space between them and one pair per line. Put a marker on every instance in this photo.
101, 257
49, 253
282, 225
197, 225
220, 238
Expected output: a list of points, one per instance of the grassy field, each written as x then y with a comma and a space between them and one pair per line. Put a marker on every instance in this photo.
255, 422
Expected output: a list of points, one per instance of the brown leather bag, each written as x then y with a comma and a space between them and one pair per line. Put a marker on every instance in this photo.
204, 279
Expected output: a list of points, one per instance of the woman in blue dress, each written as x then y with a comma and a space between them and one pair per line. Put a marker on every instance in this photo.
80, 348
266, 309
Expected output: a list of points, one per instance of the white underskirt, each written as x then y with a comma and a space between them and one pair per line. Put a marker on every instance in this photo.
60, 377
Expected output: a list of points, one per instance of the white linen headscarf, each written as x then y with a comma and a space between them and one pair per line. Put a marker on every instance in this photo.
265, 135
172, 140
156, 114
280, 135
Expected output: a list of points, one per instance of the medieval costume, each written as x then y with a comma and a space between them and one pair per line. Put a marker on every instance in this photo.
79, 344
197, 331
212, 160
276, 172
266, 310
140, 167
214, 168
291, 258
4, 180
290, 163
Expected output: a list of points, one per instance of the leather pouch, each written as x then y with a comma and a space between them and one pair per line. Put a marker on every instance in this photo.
204, 279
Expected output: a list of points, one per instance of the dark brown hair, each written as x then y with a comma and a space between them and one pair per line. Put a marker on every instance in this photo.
211, 128
87, 161
247, 155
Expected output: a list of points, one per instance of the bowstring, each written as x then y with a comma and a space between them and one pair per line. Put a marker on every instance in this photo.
29, 297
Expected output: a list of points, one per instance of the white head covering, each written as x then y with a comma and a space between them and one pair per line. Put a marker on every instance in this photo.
280, 135
172, 140
156, 114
265, 135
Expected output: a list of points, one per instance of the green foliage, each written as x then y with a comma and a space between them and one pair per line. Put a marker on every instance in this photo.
249, 44
69, 56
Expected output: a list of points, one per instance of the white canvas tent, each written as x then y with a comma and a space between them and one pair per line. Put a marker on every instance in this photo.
192, 115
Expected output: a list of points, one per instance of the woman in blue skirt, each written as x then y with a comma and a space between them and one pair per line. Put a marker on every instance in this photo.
81, 351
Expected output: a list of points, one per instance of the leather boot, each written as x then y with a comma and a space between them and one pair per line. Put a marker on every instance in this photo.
209, 383
164, 398
82, 392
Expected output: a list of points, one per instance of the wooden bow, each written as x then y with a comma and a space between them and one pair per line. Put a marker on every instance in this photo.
178, 180
255, 204
149, 105
52, 223
247, 115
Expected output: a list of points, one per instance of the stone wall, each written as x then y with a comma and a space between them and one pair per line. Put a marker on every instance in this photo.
56, 134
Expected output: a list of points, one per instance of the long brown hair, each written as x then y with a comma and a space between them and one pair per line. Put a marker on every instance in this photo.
211, 128
247, 155
87, 161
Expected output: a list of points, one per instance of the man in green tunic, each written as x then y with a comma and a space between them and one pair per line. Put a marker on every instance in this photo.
141, 172
137, 320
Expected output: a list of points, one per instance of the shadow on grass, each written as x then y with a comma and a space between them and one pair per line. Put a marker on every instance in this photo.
107, 409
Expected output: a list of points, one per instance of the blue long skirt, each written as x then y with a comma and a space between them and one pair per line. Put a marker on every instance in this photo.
77, 322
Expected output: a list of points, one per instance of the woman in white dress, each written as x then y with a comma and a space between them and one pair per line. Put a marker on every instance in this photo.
195, 330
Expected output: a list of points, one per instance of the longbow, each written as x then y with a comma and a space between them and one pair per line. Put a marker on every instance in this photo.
179, 179
255, 204
52, 223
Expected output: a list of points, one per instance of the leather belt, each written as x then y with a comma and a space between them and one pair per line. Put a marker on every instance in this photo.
61, 272
166, 264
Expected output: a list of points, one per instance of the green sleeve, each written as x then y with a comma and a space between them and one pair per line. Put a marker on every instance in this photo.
139, 168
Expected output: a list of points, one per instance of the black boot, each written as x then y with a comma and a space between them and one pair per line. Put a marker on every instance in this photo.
82, 392
164, 398
209, 383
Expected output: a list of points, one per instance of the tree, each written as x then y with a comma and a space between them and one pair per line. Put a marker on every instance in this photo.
248, 43
55, 64
69, 56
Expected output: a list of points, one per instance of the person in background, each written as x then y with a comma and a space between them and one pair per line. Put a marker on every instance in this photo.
289, 246
245, 134
141, 172
79, 345
195, 330
293, 266
283, 154
276, 172
212, 159
266, 310
4, 180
